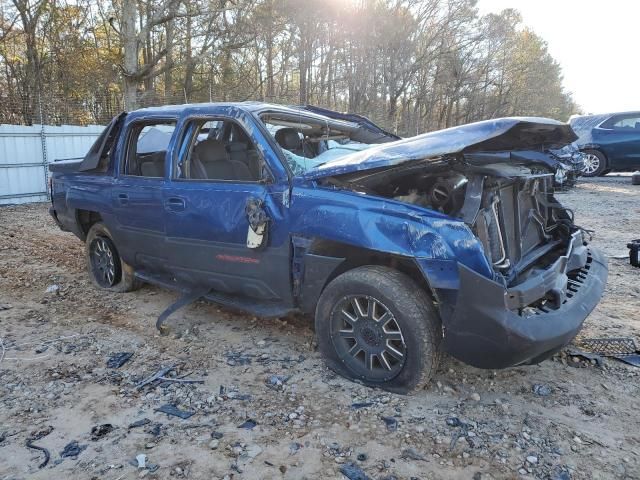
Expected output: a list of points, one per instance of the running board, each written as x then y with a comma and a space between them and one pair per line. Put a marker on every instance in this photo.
252, 306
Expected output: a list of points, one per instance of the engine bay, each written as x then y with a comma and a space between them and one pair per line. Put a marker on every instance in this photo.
509, 206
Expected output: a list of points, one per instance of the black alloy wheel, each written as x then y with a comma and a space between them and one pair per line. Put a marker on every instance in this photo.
367, 337
105, 262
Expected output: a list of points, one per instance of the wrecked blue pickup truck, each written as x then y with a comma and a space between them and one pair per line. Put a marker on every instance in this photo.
399, 247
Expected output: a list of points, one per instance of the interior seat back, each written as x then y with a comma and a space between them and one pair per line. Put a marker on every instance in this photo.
153, 165
238, 151
217, 164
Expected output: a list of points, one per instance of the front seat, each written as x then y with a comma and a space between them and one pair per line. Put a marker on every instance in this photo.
289, 139
215, 160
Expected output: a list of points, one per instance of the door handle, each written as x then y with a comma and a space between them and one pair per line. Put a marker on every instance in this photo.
175, 204
123, 199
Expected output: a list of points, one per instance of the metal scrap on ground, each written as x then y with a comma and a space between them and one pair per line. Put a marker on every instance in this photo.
118, 359
172, 410
623, 349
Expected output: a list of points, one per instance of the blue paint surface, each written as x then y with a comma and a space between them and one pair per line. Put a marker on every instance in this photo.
213, 225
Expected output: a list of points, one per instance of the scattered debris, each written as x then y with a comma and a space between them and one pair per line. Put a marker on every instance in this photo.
249, 453
429, 419
172, 410
154, 429
156, 376
453, 422
37, 435
359, 405
47, 455
541, 390
233, 395
412, 454
353, 471
139, 423
462, 431
72, 449
391, 423
142, 460
53, 289
248, 424
623, 349
576, 352
119, 359
160, 375
100, 431
238, 358
276, 382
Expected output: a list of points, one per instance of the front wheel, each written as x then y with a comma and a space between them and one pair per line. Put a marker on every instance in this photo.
376, 325
595, 163
106, 268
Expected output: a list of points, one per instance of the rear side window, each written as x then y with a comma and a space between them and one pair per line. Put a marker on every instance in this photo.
627, 123
147, 148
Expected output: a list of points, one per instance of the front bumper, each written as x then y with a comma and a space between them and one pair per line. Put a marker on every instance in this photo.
490, 329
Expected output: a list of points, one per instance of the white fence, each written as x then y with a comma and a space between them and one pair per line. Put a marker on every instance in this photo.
25, 152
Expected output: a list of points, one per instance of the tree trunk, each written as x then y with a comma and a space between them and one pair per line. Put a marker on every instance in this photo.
270, 93
168, 81
189, 62
130, 46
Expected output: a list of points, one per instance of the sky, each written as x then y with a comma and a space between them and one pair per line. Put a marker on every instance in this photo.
596, 42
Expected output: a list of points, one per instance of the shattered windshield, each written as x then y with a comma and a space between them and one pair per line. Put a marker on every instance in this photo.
309, 143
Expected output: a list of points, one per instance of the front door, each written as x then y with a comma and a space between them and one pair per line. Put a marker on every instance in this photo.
219, 189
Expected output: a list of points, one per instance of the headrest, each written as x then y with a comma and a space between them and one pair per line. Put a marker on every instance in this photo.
236, 147
211, 150
288, 138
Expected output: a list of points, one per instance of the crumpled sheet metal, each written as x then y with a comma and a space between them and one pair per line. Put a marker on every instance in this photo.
501, 134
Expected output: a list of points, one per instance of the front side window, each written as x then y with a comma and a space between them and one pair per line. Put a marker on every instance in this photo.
219, 150
147, 148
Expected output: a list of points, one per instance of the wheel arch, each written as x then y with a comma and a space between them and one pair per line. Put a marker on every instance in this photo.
597, 148
85, 219
324, 260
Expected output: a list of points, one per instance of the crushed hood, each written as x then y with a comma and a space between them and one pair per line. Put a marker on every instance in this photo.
499, 135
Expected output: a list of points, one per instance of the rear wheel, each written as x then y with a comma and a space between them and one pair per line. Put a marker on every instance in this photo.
106, 268
595, 163
375, 325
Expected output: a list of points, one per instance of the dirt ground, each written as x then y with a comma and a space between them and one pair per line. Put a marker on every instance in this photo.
582, 423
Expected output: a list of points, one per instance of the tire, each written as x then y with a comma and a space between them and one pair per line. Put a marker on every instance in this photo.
595, 163
106, 269
399, 355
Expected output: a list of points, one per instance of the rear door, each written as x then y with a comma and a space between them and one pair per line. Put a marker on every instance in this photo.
220, 185
137, 196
